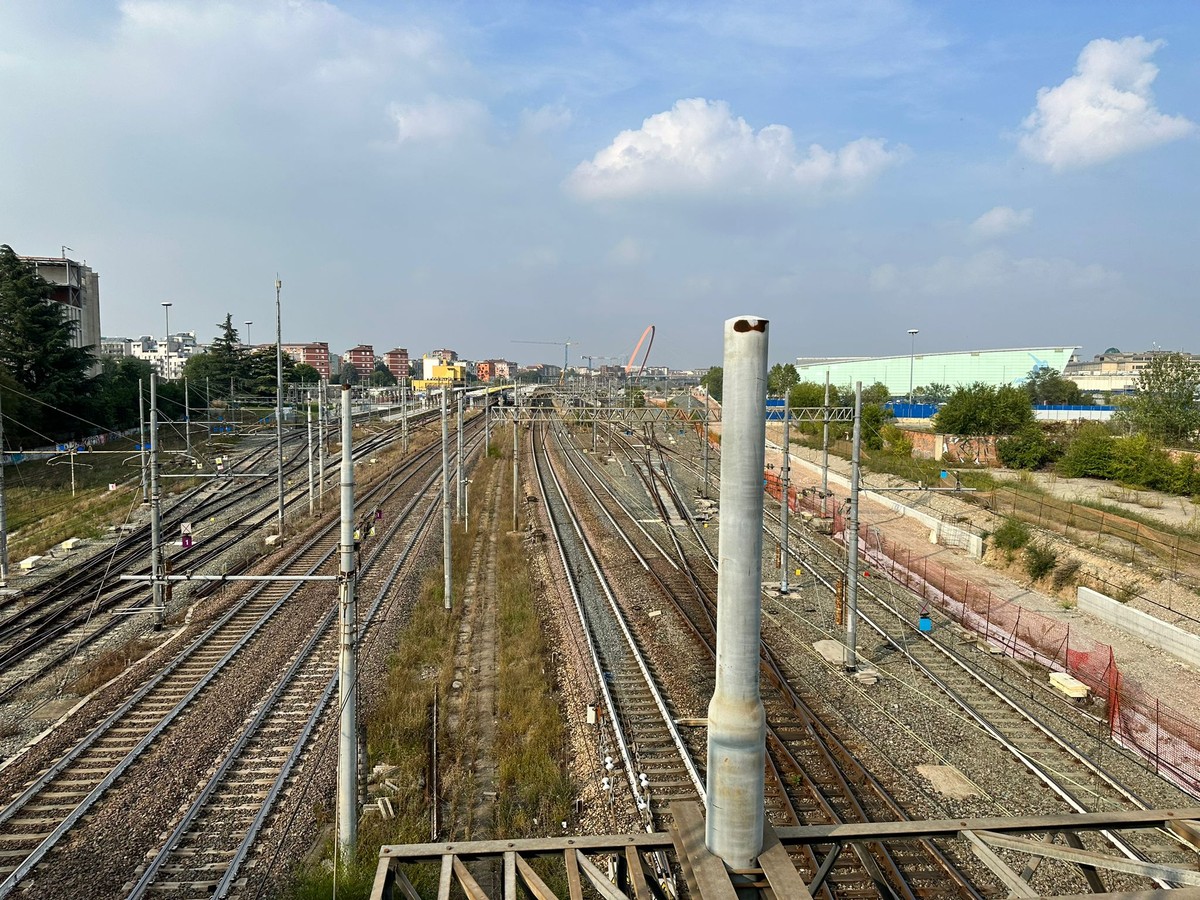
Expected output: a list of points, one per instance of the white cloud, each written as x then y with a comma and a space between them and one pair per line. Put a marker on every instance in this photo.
436, 119
992, 275
541, 257
698, 146
547, 119
1105, 110
998, 222
627, 252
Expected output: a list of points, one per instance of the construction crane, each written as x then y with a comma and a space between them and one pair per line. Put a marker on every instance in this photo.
566, 345
590, 357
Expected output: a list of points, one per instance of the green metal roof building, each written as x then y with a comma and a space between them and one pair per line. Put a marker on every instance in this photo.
992, 367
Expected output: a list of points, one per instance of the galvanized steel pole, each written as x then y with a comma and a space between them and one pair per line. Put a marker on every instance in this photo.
321, 445
187, 417
458, 477
784, 554
447, 531
156, 560
516, 451
311, 487
279, 397
3, 507
347, 777
705, 444
736, 720
851, 655
142, 440
404, 415
825, 447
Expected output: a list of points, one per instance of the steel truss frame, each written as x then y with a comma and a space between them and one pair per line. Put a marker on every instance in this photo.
653, 414
708, 878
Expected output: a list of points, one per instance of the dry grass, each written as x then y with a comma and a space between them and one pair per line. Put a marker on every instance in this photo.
109, 665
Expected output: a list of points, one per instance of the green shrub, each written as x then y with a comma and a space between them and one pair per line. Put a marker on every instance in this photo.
1140, 462
1029, 448
1089, 453
1012, 536
1040, 560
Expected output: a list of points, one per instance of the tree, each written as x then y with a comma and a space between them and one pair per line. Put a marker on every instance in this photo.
36, 335
876, 393
303, 373
382, 376
259, 374
809, 393
1164, 402
713, 379
223, 362
349, 374
980, 409
1045, 385
781, 378
934, 392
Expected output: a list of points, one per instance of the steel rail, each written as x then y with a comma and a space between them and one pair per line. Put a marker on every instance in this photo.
989, 727
824, 740
302, 659
90, 799
103, 563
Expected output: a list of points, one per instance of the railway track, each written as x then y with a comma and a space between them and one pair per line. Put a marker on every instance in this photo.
75, 612
56, 801
204, 853
647, 744
1045, 737
812, 777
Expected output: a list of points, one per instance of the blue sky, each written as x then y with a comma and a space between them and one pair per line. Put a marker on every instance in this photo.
471, 174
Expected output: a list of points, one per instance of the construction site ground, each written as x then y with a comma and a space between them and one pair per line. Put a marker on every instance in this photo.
1157, 672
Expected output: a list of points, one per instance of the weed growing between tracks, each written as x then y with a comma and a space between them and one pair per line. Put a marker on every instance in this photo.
533, 782
535, 792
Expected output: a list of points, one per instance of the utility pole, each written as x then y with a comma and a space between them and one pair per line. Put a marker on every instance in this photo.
825, 447
187, 417
447, 533
347, 777
736, 719
156, 554
321, 445
458, 506
311, 486
404, 416
3, 508
784, 542
516, 453
705, 442
279, 396
852, 539
142, 439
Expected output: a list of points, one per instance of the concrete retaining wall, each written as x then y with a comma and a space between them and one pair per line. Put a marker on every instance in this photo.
941, 532
1153, 631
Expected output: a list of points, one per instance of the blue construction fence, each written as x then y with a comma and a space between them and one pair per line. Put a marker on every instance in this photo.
902, 410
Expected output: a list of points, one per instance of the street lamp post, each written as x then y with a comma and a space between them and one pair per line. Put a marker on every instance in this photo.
912, 358
248, 324
166, 305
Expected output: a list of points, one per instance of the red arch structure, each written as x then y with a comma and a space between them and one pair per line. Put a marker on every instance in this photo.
649, 332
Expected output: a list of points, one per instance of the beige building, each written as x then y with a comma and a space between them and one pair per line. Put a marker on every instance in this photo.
77, 288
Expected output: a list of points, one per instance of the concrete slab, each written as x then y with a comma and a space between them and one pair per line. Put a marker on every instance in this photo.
949, 782
831, 651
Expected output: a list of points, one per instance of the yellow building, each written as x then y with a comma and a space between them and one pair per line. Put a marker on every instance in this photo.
442, 375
